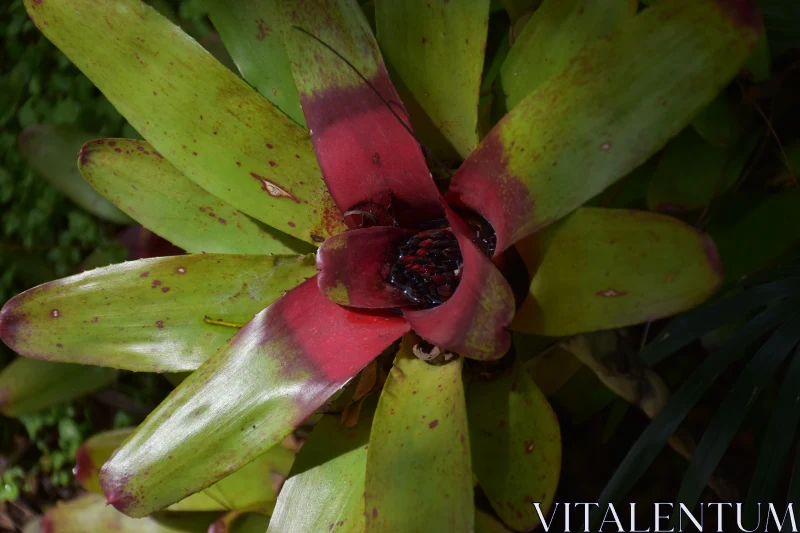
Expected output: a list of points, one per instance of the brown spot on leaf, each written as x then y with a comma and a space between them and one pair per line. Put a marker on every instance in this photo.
144, 274
611, 293
55, 313
273, 189
156, 283
529, 446
181, 270
159, 324
222, 221
263, 29
165, 289
433, 424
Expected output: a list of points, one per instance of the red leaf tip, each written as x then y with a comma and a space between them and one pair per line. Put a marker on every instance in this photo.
84, 466
744, 12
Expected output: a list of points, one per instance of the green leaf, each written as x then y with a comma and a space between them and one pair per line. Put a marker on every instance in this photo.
210, 124
53, 152
485, 523
325, 489
516, 446
249, 488
692, 172
655, 436
518, 8
90, 514
147, 315
617, 103
732, 412
436, 51
148, 188
28, 385
270, 377
553, 36
760, 237
419, 452
619, 267
721, 122
253, 34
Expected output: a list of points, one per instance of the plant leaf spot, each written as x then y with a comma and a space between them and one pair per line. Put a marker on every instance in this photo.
611, 293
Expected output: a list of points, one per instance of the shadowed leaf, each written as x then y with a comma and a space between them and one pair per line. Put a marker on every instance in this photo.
516, 446
27, 385
554, 35
53, 152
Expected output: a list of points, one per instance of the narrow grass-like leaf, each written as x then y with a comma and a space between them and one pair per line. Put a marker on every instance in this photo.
777, 442
655, 436
689, 326
731, 414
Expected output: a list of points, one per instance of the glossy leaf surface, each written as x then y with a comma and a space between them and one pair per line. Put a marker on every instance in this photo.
608, 268
253, 34
53, 152
271, 376
419, 454
252, 487
516, 446
365, 153
138, 180
616, 103
28, 385
211, 125
147, 315
436, 50
555, 34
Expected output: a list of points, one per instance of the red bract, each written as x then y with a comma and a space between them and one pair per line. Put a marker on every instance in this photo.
376, 173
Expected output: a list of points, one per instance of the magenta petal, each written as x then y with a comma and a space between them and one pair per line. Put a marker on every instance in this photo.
352, 267
473, 321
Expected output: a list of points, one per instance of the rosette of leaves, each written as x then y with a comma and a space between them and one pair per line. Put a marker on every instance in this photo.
230, 173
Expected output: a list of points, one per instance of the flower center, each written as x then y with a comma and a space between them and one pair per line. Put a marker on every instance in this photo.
428, 268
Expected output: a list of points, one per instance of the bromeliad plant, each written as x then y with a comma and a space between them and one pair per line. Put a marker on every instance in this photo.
230, 175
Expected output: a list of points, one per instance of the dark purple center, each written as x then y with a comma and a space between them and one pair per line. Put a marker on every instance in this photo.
428, 268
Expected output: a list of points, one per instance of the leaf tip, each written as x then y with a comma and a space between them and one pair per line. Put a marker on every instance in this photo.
714, 260
115, 489
84, 466
743, 12
11, 321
